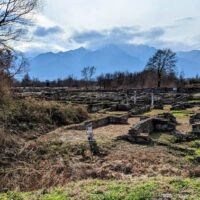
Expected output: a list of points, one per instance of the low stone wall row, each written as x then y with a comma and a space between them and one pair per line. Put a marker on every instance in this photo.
99, 122
140, 110
67, 89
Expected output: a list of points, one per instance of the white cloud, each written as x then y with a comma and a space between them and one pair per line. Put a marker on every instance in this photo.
178, 22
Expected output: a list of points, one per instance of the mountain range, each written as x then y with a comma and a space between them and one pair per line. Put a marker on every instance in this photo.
110, 58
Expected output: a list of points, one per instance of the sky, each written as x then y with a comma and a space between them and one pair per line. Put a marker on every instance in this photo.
68, 24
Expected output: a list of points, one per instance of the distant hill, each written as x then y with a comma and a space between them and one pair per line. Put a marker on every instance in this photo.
109, 58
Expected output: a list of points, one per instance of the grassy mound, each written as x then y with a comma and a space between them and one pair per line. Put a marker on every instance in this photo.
38, 117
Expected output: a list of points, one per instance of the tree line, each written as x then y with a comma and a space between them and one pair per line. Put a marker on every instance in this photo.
160, 71
122, 80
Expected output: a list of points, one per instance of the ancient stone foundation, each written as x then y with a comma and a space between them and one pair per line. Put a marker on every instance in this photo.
162, 123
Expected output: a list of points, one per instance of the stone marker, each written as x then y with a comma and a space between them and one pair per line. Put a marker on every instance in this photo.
89, 132
135, 97
92, 142
152, 99
126, 100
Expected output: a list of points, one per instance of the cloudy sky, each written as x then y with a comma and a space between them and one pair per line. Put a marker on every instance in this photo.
69, 24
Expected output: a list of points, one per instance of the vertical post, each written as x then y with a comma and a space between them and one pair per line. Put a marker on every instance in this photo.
135, 97
89, 132
175, 90
152, 100
127, 98
91, 140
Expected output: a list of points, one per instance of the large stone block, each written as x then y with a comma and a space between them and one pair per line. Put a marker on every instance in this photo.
121, 107
181, 106
168, 116
92, 108
163, 125
140, 109
196, 129
195, 118
145, 126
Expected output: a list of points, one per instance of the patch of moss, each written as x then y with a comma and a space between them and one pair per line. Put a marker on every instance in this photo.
164, 137
178, 113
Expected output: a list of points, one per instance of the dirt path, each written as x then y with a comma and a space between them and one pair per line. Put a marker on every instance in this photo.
108, 132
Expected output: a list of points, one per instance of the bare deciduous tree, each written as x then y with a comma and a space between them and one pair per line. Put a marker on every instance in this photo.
11, 64
88, 73
163, 63
15, 16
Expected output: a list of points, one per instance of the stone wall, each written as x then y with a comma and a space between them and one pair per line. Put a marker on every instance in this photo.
195, 121
162, 123
100, 122
144, 126
120, 107
181, 106
196, 129
140, 110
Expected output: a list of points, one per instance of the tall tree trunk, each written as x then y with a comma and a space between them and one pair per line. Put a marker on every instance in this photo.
159, 83
159, 79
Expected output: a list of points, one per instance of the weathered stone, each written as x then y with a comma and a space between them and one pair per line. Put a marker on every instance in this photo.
181, 106
195, 118
169, 117
197, 159
143, 118
92, 108
163, 125
121, 107
140, 110
159, 106
109, 120
118, 120
140, 138
145, 126
196, 129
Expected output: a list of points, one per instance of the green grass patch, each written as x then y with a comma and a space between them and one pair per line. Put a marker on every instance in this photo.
195, 101
179, 185
181, 113
15, 196
57, 194
135, 189
193, 148
195, 144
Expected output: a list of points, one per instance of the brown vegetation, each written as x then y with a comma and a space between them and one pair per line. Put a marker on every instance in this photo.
60, 157
31, 118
